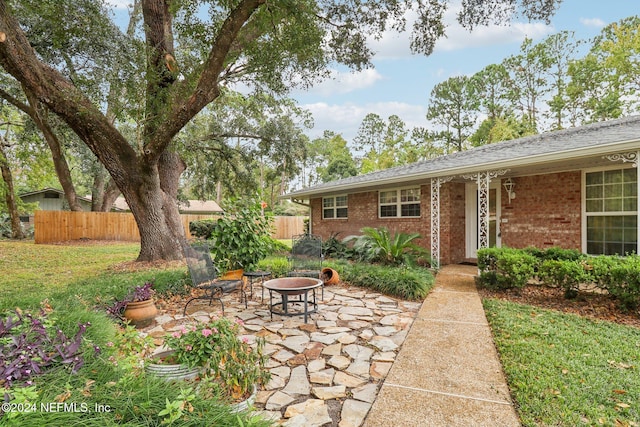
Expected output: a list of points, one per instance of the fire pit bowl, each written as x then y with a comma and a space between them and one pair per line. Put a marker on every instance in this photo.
293, 286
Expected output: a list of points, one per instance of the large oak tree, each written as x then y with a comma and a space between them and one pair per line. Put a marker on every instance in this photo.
193, 49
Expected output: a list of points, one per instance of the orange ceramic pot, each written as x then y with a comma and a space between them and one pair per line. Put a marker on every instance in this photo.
232, 275
141, 313
330, 276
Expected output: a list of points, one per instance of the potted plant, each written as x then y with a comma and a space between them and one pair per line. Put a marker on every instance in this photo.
138, 307
240, 239
228, 366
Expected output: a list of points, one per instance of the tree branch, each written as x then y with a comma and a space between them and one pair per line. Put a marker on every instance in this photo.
207, 88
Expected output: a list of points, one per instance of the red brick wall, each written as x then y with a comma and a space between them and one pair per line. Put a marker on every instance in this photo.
363, 212
546, 212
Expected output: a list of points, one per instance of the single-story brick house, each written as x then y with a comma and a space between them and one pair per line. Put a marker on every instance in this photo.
574, 188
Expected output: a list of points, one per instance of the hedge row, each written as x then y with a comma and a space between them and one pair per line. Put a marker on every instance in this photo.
503, 268
410, 283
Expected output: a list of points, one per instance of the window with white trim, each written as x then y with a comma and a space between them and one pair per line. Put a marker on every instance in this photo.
334, 207
611, 208
399, 203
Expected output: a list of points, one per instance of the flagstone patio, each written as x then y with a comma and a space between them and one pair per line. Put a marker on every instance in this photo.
325, 372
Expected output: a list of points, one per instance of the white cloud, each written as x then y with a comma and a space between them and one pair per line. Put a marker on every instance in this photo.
342, 82
593, 22
346, 118
493, 35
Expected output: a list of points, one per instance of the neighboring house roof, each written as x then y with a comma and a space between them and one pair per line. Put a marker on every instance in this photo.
198, 206
190, 206
52, 190
568, 149
49, 190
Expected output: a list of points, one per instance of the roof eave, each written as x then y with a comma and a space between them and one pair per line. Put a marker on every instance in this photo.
599, 150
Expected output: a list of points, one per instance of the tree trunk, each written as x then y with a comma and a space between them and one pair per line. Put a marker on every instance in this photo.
10, 198
109, 197
152, 198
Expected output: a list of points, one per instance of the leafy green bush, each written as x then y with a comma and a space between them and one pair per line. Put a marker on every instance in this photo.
378, 245
239, 239
278, 266
277, 247
504, 268
561, 254
599, 269
202, 228
567, 274
334, 247
411, 283
625, 282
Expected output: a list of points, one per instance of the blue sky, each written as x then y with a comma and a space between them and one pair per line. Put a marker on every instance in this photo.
401, 82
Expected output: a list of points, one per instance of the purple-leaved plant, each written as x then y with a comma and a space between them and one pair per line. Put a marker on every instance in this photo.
28, 349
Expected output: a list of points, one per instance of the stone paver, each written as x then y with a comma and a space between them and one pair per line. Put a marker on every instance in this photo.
326, 372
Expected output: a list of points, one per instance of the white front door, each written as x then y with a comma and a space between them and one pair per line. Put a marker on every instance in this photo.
472, 215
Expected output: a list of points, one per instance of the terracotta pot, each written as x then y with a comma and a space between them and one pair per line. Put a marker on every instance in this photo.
141, 314
169, 371
232, 275
330, 276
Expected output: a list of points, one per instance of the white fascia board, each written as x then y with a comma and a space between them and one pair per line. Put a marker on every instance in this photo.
599, 150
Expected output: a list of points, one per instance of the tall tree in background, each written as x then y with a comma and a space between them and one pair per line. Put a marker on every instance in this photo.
384, 143
329, 159
453, 104
8, 189
558, 51
528, 72
607, 80
231, 147
492, 89
263, 43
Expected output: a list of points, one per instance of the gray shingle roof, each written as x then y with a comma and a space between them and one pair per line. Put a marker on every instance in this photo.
564, 143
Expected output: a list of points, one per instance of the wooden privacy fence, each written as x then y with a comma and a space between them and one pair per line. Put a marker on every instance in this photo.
60, 226
287, 226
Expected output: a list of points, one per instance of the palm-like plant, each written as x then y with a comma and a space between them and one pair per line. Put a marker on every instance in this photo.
378, 245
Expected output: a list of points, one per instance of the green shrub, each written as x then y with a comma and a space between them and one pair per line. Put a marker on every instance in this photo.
278, 266
561, 254
625, 282
600, 268
240, 239
504, 268
567, 274
334, 247
277, 247
411, 283
203, 228
379, 245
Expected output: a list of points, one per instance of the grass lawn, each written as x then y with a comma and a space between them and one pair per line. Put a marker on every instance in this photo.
565, 370
30, 273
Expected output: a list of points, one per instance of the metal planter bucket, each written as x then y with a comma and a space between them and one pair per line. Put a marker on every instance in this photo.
170, 372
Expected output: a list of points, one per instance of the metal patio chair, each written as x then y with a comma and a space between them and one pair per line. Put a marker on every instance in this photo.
306, 257
204, 276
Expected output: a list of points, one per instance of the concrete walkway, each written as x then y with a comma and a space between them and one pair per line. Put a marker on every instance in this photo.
447, 372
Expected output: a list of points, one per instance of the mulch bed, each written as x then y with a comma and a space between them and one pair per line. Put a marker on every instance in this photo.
591, 305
